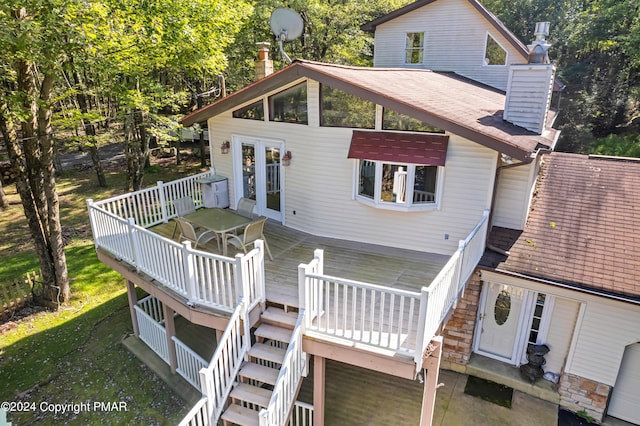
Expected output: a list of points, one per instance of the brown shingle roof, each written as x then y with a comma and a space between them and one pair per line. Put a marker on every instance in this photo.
582, 228
446, 100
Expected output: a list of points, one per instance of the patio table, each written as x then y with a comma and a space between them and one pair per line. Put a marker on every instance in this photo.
219, 221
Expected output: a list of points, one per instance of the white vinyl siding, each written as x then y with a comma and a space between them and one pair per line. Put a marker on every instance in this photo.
513, 194
603, 329
562, 324
319, 185
455, 38
529, 96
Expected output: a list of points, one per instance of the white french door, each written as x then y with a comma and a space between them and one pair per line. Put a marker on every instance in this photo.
258, 173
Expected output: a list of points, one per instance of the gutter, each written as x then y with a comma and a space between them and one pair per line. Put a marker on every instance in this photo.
593, 292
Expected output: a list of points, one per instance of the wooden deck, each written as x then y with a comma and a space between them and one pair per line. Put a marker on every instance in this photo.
385, 266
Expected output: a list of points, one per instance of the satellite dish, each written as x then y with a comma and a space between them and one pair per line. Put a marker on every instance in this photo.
286, 25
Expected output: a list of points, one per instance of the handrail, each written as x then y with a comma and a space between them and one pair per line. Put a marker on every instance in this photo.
293, 368
203, 278
216, 380
198, 415
443, 293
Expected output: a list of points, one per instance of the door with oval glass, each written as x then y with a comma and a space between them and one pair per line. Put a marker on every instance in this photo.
498, 329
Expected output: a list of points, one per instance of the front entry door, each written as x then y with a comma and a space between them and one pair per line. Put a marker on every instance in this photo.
258, 174
498, 328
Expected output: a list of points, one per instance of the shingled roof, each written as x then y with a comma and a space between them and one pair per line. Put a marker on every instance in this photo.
582, 228
446, 100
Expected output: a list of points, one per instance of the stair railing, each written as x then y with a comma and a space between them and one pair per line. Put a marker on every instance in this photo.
218, 378
294, 368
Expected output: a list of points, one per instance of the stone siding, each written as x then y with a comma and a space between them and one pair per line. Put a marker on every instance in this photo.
580, 394
458, 333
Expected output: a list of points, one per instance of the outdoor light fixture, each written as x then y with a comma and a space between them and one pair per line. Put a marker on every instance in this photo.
224, 148
286, 158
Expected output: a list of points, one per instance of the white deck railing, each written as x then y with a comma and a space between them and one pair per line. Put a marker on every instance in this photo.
302, 414
218, 378
397, 320
198, 415
153, 334
285, 390
443, 293
202, 278
189, 363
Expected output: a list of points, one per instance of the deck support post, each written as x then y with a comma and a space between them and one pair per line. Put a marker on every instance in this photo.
431, 365
133, 300
170, 327
319, 365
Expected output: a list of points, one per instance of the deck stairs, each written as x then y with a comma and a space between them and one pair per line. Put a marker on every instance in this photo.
257, 376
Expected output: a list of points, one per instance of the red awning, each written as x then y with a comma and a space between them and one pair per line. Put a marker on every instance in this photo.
411, 148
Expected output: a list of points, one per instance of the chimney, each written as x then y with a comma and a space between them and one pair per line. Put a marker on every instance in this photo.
530, 86
264, 65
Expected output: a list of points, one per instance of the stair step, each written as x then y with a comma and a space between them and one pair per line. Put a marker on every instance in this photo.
253, 394
278, 317
239, 415
267, 352
259, 372
289, 301
271, 332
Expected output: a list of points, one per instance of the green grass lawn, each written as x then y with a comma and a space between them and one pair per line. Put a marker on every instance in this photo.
73, 357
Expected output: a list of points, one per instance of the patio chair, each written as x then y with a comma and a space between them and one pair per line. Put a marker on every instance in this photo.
188, 232
245, 207
183, 206
252, 232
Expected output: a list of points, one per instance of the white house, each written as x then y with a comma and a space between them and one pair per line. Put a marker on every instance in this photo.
423, 154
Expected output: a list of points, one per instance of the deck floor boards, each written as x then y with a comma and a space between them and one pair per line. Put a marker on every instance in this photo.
386, 266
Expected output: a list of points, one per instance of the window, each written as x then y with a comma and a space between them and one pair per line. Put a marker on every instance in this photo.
341, 109
414, 49
494, 54
537, 319
397, 186
290, 105
255, 111
392, 120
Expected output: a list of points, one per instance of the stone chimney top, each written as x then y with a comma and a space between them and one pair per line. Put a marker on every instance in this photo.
264, 65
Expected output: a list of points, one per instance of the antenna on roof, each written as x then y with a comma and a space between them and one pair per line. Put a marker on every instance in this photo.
286, 24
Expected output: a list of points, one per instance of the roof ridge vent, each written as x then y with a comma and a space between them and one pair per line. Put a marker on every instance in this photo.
538, 50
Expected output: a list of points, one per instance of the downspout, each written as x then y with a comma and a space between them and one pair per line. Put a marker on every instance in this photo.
493, 202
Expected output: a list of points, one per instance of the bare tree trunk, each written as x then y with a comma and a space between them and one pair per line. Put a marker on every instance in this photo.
136, 149
31, 158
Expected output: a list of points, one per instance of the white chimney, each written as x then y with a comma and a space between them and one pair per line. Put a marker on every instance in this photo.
264, 65
530, 86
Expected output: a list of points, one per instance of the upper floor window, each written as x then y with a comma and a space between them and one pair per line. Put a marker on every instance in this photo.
341, 109
494, 54
392, 120
414, 49
254, 111
290, 105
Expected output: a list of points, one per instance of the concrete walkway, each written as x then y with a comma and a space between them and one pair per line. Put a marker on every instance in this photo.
454, 407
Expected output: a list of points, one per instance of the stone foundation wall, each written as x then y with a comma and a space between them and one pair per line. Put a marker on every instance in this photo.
458, 333
580, 394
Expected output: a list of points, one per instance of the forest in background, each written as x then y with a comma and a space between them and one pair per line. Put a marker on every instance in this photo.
77, 74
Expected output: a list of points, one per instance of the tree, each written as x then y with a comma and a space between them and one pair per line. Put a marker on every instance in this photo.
331, 34
34, 38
